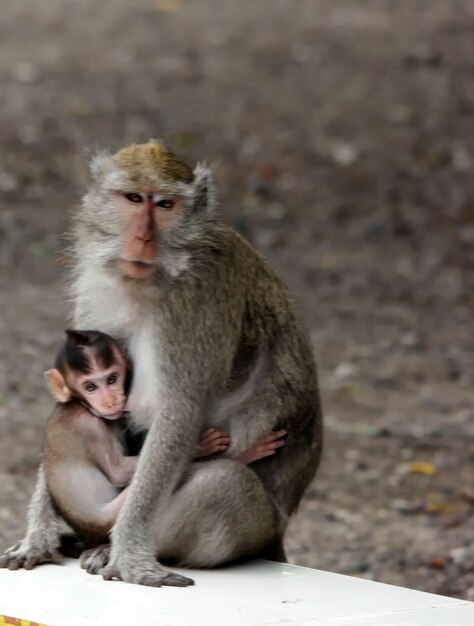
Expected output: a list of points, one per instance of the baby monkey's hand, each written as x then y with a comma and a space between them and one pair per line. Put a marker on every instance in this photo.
212, 440
215, 440
265, 447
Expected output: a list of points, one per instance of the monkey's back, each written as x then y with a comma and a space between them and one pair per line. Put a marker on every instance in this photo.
271, 321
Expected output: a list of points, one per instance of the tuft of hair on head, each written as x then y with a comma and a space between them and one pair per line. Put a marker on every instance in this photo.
99, 164
152, 161
83, 346
79, 338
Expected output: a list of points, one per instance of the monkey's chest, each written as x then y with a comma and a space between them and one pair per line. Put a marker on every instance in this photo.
107, 306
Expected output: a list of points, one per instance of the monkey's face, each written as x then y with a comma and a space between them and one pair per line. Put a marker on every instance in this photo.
145, 211
146, 217
102, 389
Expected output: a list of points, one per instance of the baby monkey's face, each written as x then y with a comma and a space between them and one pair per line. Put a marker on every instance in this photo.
103, 389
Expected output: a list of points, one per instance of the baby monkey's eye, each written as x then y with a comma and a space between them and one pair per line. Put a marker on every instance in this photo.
90, 387
112, 379
166, 203
134, 197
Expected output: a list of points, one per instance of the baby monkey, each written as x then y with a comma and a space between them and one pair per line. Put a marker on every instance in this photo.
86, 466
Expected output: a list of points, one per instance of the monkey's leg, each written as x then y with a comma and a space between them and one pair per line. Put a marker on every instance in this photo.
42, 538
222, 512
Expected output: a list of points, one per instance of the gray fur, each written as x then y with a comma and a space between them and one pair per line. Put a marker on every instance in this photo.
218, 341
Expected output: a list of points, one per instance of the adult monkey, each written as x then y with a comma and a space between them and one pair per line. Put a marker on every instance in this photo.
216, 342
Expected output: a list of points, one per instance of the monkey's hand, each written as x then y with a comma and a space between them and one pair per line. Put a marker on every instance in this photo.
131, 568
265, 447
211, 441
34, 549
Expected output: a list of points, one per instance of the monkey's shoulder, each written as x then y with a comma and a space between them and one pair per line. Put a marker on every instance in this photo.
72, 421
242, 267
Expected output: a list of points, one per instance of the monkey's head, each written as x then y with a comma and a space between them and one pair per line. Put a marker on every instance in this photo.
90, 367
145, 210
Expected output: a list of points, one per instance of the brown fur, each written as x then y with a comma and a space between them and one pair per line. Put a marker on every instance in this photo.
147, 163
74, 440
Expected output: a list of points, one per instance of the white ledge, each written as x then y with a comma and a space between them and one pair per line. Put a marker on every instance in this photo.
258, 593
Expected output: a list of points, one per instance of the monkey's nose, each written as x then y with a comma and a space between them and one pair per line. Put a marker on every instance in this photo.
145, 237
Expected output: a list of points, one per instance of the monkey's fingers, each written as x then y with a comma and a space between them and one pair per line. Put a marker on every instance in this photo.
271, 445
264, 453
111, 574
215, 448
32, 561
176, 580
213, 434
217, 441
170, 579
273, 436
95, 559
28, 559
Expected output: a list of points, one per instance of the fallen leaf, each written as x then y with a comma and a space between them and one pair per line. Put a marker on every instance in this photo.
436, 503
443, 507
420, 467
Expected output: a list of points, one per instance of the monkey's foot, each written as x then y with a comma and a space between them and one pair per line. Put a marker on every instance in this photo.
28, 553
142, 571
158, 578
152, 578
95, 559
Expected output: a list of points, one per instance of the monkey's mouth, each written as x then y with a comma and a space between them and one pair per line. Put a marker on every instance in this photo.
113, 416
136, 269
139, 264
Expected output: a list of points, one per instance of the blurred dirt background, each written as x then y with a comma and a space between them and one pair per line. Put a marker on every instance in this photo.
342, 134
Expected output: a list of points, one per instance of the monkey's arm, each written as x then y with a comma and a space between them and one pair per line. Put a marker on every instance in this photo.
42, 538
105, 450
161, 464
119, 471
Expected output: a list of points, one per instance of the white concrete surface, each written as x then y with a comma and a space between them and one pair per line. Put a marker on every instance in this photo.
259, 593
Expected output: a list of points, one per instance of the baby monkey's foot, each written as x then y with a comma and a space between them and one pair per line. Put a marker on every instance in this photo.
96, 558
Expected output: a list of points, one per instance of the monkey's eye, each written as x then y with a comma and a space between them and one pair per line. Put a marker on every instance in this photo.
90, 387
112, 379
136, 198
166, 204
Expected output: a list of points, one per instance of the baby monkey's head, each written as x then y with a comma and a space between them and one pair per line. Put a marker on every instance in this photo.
91, 368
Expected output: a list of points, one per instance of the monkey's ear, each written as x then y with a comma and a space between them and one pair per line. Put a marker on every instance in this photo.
205, 200
57, 385
99, 164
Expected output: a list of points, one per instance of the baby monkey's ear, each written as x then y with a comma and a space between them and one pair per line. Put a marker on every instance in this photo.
57, 385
